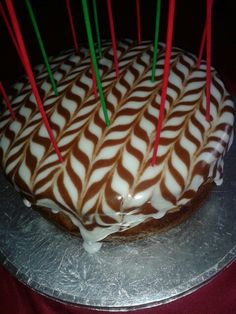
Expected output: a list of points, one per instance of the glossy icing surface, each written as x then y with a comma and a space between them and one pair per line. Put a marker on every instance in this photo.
106, 183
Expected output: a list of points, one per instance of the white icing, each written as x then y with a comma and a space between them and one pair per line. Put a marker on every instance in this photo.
26, 202
92, 247
119, 185
25, 173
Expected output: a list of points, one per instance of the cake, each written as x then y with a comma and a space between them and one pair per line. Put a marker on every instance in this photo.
106, 187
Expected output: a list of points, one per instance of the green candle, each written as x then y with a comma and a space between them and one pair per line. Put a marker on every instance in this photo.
95, 13
41, 45
94, 60
157, 27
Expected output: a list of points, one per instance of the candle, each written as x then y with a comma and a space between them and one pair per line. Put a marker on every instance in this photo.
72, 25
77, 46
95, 92
94, 60
157, 28
208, 54
165, 77
202, 43
97, 28
201, 47
41, 45
113, 37
8, 104
10, 32
138, 21
29, 72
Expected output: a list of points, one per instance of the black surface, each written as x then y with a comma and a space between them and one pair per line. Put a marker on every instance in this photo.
55, 29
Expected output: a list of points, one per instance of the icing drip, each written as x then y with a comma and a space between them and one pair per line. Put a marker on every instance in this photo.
106, 183
27, 203
92, 247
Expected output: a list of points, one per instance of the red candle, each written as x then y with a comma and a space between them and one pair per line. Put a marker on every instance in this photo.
202, 43
72, 24
10, 32
208, 55
165, 77
29, 72
4, 94
113, 37
201, 47
138, 21
77, 46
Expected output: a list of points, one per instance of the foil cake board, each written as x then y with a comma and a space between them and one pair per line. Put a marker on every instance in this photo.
140, 274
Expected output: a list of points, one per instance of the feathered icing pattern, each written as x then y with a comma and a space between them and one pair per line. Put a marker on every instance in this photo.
107, 179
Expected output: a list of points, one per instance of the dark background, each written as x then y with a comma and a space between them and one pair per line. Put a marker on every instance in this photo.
53, 23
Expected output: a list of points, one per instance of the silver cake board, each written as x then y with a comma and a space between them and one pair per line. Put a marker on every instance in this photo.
139, 274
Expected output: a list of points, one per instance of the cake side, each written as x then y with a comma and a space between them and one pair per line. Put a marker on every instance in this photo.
144, 229
107, 179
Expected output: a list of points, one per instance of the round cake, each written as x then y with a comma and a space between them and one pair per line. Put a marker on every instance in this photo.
106, 185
